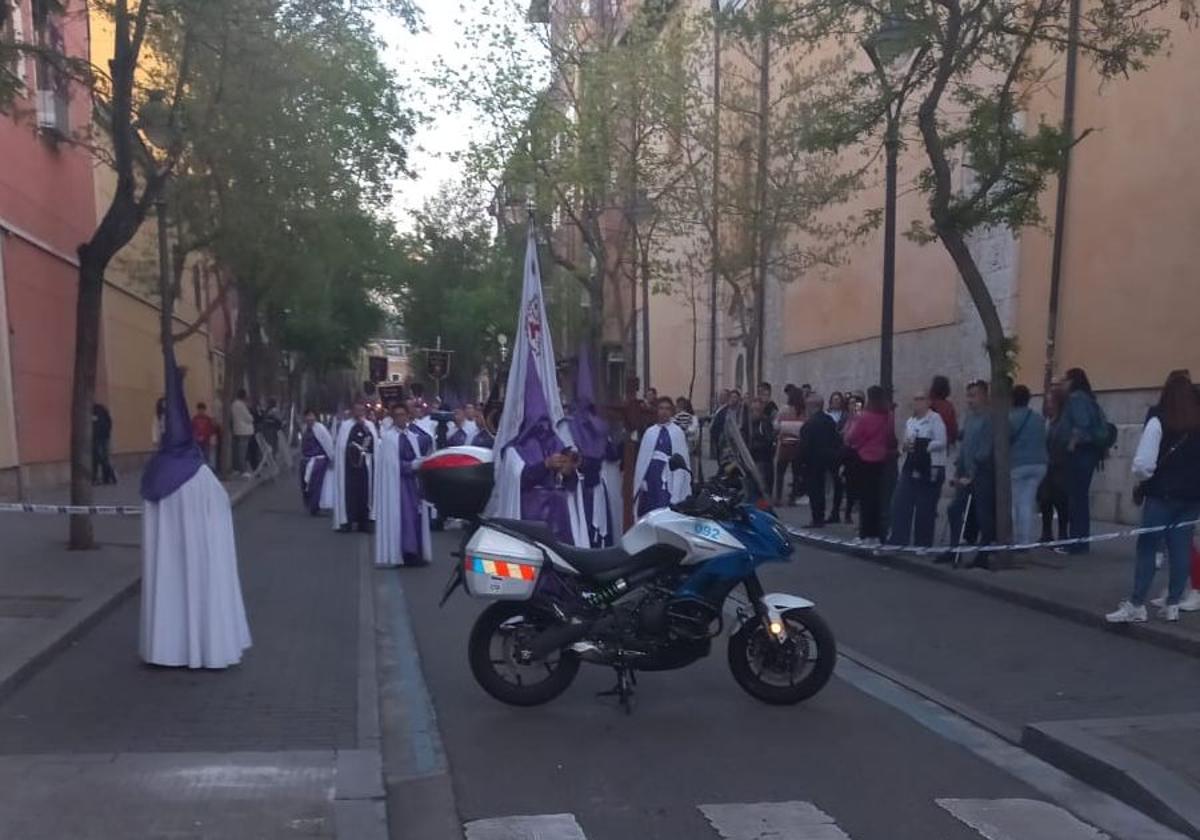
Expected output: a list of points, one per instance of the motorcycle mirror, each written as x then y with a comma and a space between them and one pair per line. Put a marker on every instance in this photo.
678, 462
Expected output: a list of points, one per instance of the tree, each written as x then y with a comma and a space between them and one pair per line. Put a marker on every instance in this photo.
771, 213
979, 64
175, 72
458, 283
579, 118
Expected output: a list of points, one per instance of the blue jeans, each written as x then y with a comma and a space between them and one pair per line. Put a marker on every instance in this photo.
914, 508
1081, 466
1156, 514
1025, 481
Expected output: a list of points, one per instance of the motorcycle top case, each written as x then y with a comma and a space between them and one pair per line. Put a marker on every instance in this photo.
496, 565
458, 480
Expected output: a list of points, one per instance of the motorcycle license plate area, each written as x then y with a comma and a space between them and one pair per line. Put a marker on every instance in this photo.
498, 566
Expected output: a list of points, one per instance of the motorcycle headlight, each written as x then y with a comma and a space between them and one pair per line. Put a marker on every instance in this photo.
785, 539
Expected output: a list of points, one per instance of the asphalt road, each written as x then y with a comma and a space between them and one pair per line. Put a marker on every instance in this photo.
695, 740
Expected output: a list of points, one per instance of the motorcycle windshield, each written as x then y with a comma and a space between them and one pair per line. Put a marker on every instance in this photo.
738, 454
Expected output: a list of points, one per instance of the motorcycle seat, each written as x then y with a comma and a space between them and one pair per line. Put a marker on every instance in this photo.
601, 564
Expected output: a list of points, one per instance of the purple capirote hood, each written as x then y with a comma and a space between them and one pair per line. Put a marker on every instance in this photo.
178, 457
587, 427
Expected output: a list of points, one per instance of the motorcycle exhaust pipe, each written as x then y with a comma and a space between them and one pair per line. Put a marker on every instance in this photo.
558, 637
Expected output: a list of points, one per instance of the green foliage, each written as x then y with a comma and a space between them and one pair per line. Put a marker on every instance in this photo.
457, 283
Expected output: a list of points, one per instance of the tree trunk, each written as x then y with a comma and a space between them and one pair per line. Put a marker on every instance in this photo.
88, 308
760, 199
887, 316
1001, 387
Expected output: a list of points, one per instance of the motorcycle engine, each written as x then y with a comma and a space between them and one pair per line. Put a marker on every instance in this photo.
692, 619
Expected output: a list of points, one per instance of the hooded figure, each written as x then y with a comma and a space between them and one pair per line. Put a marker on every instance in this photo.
192, 611
538, 478
599, 460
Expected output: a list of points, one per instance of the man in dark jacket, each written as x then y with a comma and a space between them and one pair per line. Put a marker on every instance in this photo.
820, 445
102, 428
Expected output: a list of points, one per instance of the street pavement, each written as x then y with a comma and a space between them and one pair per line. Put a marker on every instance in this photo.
98, 745
699, 759
345, 696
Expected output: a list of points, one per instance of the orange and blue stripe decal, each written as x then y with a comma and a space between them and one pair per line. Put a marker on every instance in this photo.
501, 568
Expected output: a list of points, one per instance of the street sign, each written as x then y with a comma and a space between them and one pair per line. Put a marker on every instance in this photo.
391, 393
437, 364
378, 368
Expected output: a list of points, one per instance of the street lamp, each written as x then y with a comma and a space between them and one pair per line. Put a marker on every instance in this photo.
641, 211
154, 121
897, 36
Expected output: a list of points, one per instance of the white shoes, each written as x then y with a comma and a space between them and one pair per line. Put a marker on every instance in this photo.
1127, 613
1169, 613
1190, 602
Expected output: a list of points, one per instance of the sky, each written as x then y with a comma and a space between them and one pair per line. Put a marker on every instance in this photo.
413, 56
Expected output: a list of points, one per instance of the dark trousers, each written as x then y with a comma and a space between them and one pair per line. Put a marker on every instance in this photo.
1052, 500
870, 497
814, 485
102, 469
839, 489
1081, 466
914, 508
982, 496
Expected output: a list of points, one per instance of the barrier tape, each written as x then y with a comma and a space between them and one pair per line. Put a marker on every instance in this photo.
809, 536
72, 510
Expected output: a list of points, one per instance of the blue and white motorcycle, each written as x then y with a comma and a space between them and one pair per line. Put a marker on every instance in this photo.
656, 602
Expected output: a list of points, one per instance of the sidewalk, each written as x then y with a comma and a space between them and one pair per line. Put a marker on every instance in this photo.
1078, 588
49, 595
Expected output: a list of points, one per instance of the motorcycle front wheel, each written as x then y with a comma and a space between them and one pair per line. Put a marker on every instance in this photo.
500, 631
787, 672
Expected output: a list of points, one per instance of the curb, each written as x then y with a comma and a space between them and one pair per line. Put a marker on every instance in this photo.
1153, 633
421, 802
1119, 772
84, 616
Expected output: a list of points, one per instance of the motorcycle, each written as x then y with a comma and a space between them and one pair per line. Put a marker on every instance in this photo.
656, 602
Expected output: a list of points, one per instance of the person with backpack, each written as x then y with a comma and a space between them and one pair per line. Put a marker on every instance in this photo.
1087, 436
1168, 463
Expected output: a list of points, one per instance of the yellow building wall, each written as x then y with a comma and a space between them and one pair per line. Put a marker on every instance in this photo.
1130, 290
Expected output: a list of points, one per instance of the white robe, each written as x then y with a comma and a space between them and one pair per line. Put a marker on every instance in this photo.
429, 426
389, 496
508, 497
678, 482
339, 464
192, 609
326, 440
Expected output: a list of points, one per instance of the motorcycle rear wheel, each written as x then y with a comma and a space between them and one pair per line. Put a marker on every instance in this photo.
787, 673
498, 632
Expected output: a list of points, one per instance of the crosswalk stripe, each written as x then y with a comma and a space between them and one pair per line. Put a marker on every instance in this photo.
542, 827
1020, 819
774, 820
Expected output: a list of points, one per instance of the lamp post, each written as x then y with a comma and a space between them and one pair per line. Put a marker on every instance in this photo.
154, 121
897, 37
642, 211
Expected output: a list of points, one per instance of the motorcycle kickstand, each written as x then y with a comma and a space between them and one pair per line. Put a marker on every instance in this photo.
624, 689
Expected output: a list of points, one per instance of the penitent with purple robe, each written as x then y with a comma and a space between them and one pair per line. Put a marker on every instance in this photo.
656, 485
316, 454
402, 534
599, 459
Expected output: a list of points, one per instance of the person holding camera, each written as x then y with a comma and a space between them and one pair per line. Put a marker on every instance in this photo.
922, 474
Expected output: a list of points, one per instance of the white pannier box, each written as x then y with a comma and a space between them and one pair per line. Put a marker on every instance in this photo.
496, 565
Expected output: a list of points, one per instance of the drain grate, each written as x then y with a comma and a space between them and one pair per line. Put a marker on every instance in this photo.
34, 606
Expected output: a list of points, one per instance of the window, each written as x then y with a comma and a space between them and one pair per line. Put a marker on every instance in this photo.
12, 31
52, 82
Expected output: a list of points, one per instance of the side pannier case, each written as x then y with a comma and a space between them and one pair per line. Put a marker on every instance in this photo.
496, 565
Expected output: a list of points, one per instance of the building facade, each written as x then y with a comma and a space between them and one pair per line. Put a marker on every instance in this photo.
52, 192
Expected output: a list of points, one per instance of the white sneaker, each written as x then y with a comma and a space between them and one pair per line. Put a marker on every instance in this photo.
1126, 614
1160, 559
1169, 613
1190, 601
